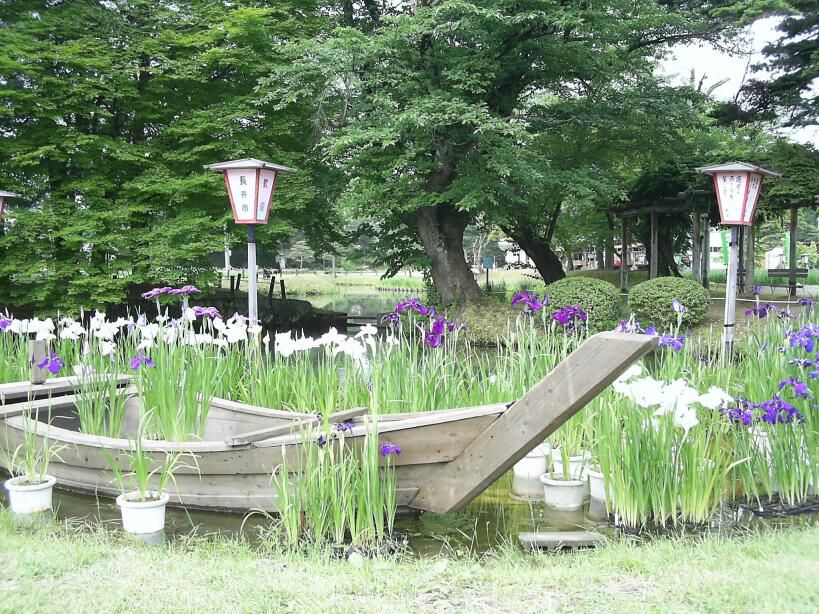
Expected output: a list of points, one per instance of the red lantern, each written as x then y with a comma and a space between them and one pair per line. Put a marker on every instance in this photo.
250, 184
3, 197
738, 185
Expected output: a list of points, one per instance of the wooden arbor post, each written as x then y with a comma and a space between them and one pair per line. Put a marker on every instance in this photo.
653, 241
793, 264
624, 255
696, 247
750, 261
706, 255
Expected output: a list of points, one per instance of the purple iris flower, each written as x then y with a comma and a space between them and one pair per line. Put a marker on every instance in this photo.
344, 426
627, 326
785, 314
388, 448
141, 360
651, 330
433, 340
800, 388
803, 338
806, 302
675, 342
427, 312
761, 310
568, 317
410, 303
739, 414
52, 362
678, 307
453, 326
439, 325
802, 362
4, 323
530, 301
151, 294
184, 291
391, 318
210, 312
757, 289
321, 441
777, 411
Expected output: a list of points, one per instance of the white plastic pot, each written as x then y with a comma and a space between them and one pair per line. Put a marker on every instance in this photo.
142, 517
597, 486
563, 494
30, 498
577, 464
533, 465
527, 471
761, 442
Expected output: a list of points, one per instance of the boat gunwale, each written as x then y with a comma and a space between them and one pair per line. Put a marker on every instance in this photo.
359, 429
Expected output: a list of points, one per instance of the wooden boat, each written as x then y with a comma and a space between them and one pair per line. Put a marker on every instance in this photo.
448, 457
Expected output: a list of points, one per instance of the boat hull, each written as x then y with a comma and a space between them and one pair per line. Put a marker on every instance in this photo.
220, 476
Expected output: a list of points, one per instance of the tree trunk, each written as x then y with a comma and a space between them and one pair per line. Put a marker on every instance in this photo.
540, 253
441, 229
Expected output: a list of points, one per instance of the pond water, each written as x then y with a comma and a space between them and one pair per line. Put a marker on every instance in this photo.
495, 518
357, 304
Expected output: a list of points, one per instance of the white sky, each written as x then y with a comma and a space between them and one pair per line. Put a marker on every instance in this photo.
717, 65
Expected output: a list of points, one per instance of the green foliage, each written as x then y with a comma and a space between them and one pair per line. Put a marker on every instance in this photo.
600, 299
652, 299
794, 62
109, 112
487, 322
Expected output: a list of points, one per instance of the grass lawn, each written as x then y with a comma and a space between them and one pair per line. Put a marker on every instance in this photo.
55, 569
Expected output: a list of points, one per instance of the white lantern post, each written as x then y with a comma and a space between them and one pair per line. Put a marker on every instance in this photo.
250, 185
3, 197
738, 185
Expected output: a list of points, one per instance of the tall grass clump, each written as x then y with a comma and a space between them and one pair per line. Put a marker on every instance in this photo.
342, 489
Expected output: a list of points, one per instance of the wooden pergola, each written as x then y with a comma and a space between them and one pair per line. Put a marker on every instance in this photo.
662, 206
700, 240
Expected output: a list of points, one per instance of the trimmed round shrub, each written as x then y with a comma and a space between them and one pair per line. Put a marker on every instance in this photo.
653, 300
598, 298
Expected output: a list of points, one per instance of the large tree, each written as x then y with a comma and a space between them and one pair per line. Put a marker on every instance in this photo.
441, 111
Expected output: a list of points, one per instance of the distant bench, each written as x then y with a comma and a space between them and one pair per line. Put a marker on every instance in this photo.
784, 274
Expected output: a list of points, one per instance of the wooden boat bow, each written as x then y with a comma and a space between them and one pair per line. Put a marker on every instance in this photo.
557, 397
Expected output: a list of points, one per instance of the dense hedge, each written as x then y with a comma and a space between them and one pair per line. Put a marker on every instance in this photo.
599, 299
652, 301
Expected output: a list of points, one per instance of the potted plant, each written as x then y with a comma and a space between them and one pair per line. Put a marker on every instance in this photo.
567, 449
527, 471
30, 490
560, 491
141, 504
597, 483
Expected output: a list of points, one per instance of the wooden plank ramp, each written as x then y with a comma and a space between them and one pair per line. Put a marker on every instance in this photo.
562, 393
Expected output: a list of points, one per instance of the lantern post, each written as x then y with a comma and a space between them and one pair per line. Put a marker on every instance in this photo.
738, 185
250, 184
3, 197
